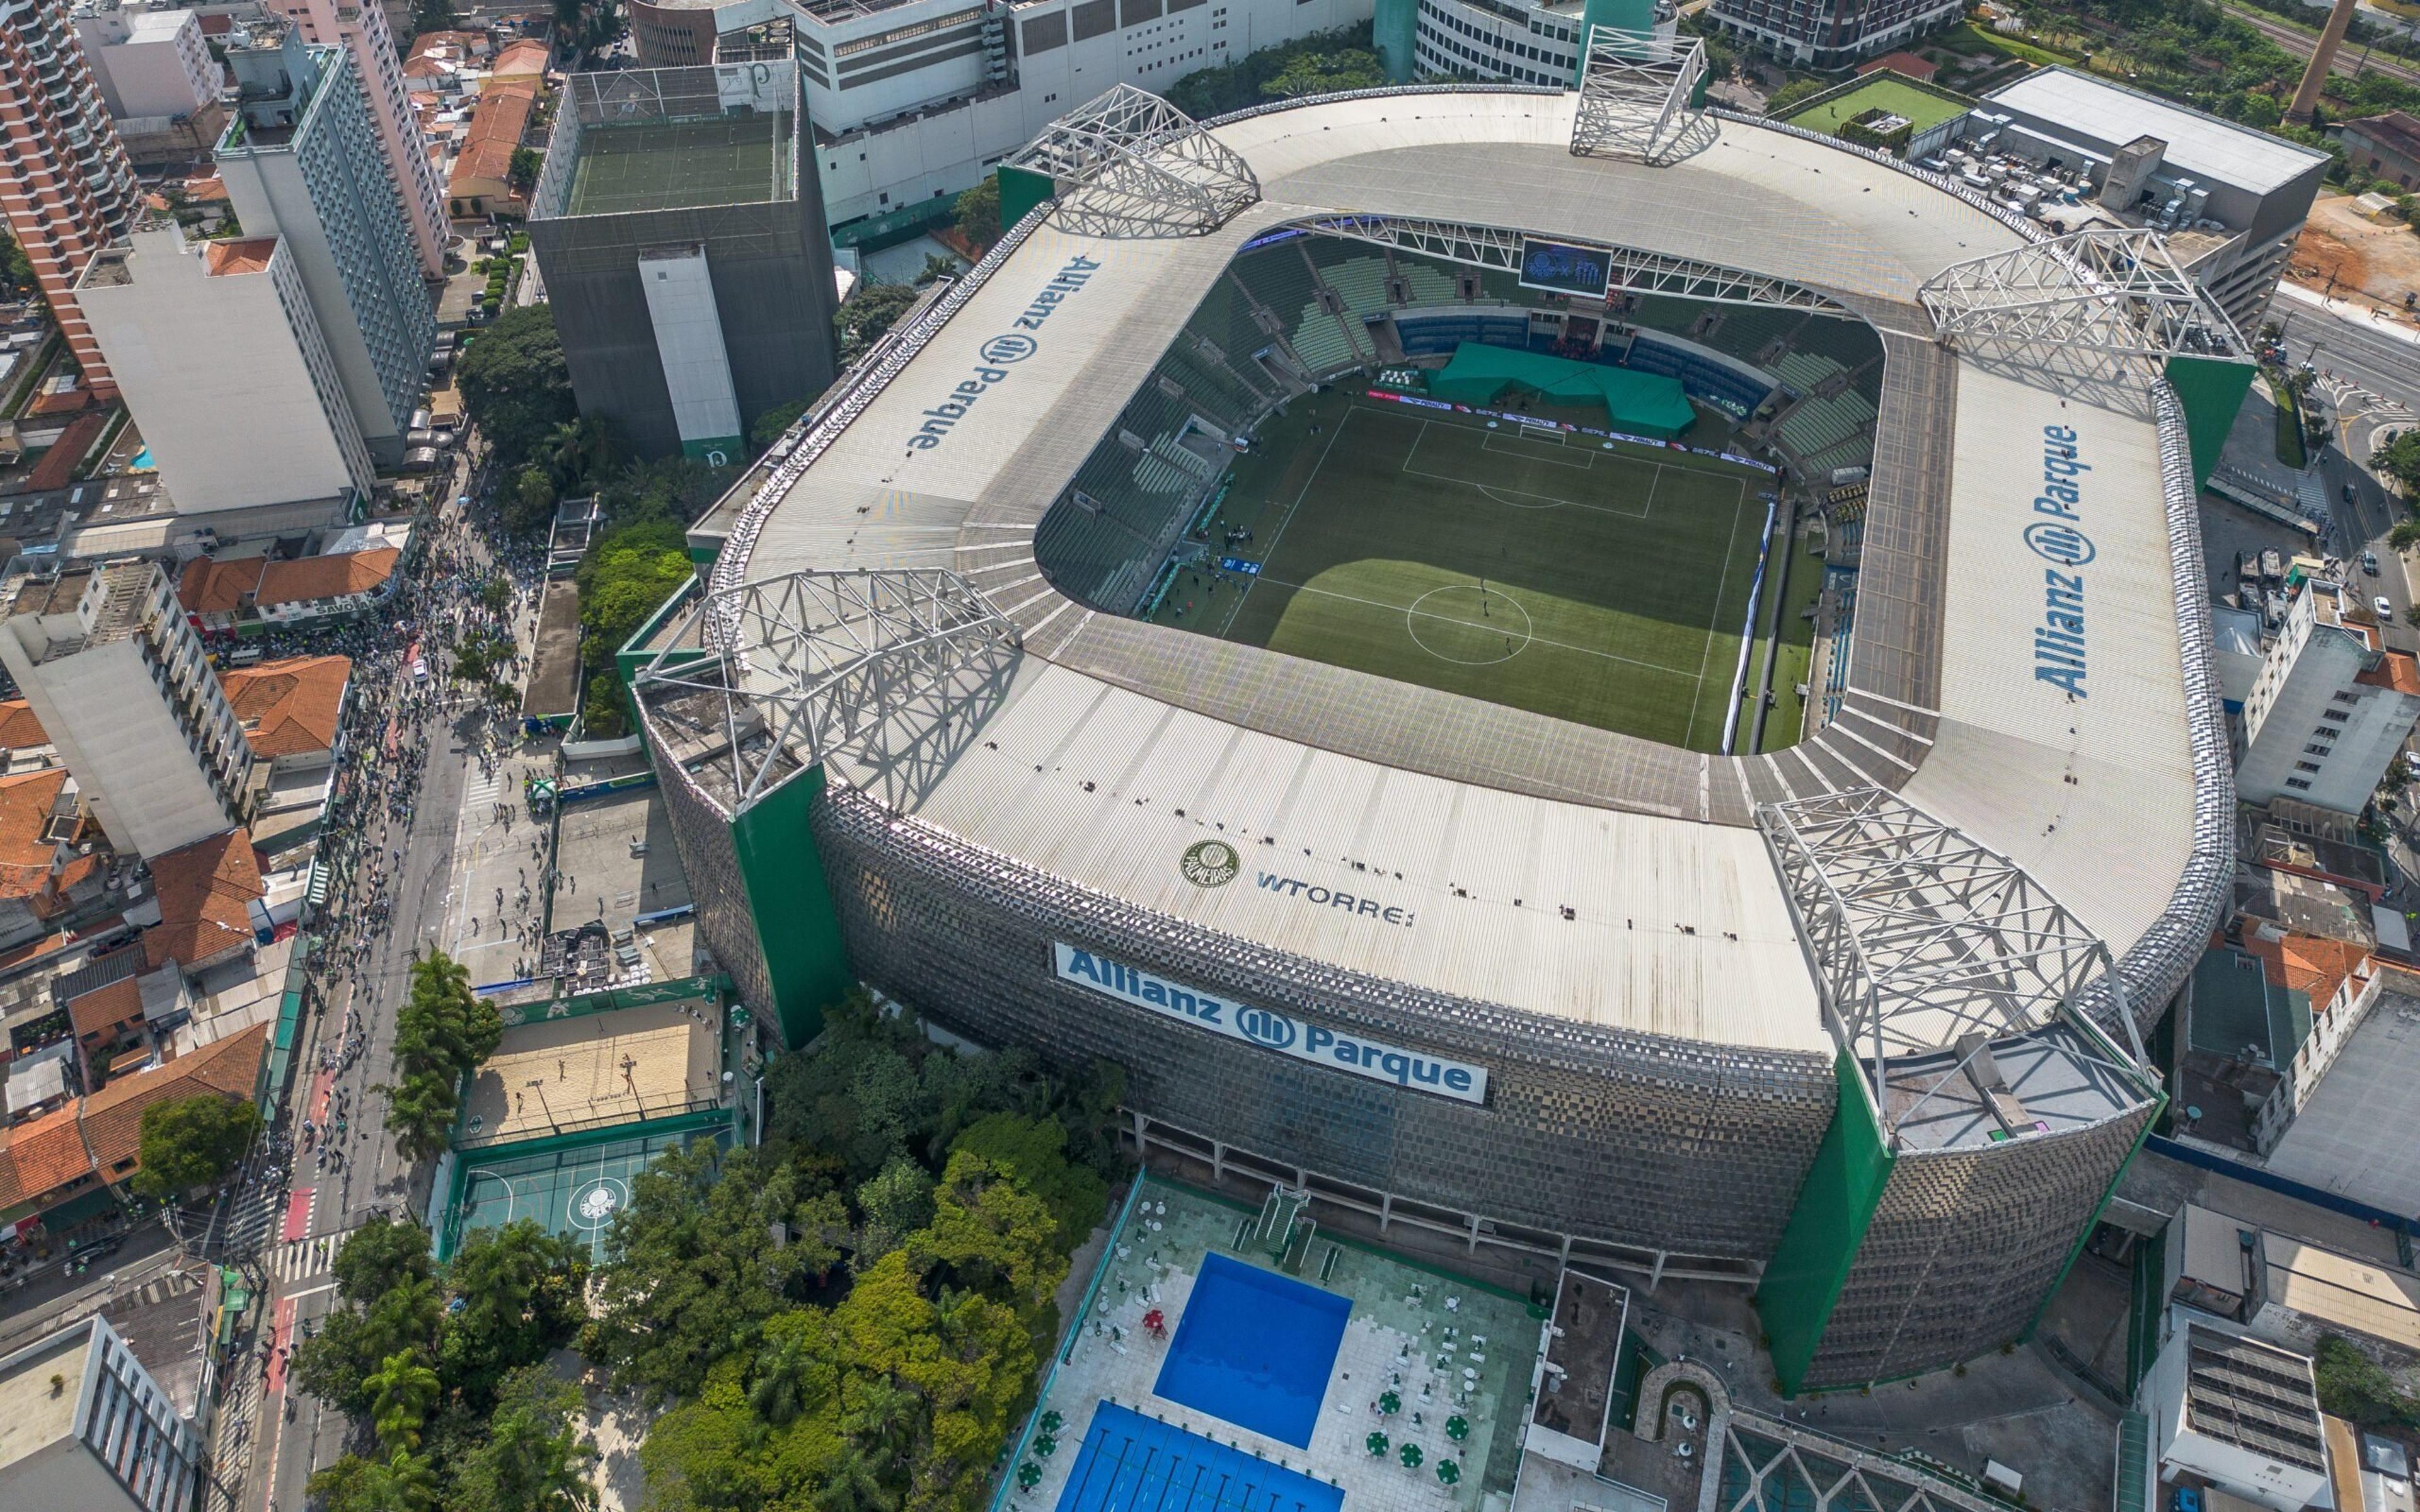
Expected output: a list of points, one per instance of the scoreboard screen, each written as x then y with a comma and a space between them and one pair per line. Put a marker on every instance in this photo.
1565, 268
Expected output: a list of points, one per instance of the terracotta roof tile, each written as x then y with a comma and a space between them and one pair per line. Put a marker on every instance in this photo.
496, 128
112, 1117
19, 728
210, 587
105, 1008
327, 576
2395, 670
289, 707
48, 1153
525, 58
26, 857
204, 890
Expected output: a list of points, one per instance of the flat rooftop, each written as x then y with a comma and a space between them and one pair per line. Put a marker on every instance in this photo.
618, 1066
671, 165
2200, 146
32, 1415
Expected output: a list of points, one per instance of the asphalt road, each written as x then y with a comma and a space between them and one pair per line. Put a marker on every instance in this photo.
2300, 43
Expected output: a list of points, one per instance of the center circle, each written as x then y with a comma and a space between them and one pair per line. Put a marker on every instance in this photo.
594, 1205
1468, 625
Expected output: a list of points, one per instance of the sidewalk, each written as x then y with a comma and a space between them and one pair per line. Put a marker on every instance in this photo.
2380, 320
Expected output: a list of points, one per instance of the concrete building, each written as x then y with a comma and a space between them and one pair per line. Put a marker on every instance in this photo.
2383, 146
1830, 34
692, 281
65, 184
2233, 1414
224, 363
2288, 1291
122, 686
149, 62
914, 100
2352, 1134
362, 31
84, 1426
2330, 707
2231, 199
302, 162
1538, 42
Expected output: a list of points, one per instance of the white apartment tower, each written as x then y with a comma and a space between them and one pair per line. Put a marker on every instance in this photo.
88, 1427
362, 31
124, 689
149, 62
2330, 708
217, 349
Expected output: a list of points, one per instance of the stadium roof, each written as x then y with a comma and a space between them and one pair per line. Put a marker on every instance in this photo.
1117, 743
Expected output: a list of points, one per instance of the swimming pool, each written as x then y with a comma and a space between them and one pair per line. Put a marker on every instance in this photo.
1255, 1349
1130, 1463
141, 461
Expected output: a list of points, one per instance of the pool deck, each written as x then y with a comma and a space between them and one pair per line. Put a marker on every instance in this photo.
1445, 1346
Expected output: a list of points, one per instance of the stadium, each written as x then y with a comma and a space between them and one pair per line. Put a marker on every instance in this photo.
1432, 861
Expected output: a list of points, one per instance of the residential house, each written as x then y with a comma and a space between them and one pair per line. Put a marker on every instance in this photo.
291, 709
333, 586
48, 866
205, 892
481, 182
22, 743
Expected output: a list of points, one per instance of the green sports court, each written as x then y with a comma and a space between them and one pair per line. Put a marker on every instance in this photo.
1547, 570
670, 165
572, 1186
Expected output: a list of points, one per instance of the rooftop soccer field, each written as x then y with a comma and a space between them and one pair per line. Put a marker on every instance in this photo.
1607, 585
670, 165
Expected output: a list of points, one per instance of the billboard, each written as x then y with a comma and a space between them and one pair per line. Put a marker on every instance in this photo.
1565, 267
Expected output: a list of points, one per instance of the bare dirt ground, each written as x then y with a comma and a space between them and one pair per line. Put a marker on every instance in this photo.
2376, 264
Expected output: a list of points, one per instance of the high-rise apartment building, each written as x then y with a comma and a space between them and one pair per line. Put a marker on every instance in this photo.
301, 162
65, 184
1829, 33
2330, 707
217, 350
122, 687
362, 31
88, 1427
149, 62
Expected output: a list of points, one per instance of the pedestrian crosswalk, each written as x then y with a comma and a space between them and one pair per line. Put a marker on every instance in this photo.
304, 1259
480, 790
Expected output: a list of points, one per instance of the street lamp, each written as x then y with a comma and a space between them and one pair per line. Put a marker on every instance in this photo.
538, 1085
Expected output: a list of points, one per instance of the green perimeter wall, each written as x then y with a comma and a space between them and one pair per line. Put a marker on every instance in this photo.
796, 930
1802, 1282
2212, 391
1021, 190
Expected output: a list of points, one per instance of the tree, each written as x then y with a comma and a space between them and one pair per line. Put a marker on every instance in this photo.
896, 1202
1033, 1152
194, 1141
1215, 91
531, 504
1792, 93
580, 452
978, 213
337, 1364
433, 16
515, 384
1326, 73
516, 1291
401, 1395
533, 1459
694, 1268
2399, 459
16, 269
2260, 112
938, 265
440, 1032
2353, 1386
522, 168
2404, 534
625, 576
379, 1256
867, 315
768, 427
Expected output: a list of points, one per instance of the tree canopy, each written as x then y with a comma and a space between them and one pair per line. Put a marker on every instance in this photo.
1339, 59
978, 212
194, 1141
440, 1033
516, 384
867, 315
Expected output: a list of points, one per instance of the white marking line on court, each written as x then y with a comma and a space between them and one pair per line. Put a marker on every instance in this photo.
1489, 439
1271, 554
1721, 587
1552, 500
1479, 625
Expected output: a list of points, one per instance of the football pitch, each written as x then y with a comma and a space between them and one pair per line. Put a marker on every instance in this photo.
664, 165
1535, 569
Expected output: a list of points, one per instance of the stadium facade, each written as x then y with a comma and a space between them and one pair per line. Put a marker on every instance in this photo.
684, 252
1856, 1024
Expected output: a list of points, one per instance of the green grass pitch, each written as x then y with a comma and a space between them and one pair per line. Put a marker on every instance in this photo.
1546, 573
665, 165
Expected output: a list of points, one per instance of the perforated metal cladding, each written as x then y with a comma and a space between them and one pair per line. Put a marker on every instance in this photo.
1963, 1248
1665, 1144
702, 835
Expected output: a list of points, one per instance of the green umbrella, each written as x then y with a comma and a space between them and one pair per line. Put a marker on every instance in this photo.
1457, 1428
1376, 1444
1411, 1456
1028, 1475
1046, 1446
1389, 1403
1050, 1422
1449, 1471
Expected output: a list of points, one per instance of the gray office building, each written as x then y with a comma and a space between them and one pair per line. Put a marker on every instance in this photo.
82, 1425
684, 252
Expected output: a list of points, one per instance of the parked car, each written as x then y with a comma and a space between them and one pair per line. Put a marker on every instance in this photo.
2369, 562
2385, 610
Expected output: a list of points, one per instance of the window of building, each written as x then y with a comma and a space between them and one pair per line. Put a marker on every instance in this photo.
2339, 715
2306, 767
2298, 785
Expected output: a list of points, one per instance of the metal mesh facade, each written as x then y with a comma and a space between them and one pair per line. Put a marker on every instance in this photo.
1965, 1246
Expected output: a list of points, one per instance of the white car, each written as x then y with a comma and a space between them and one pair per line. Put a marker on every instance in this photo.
2385, 610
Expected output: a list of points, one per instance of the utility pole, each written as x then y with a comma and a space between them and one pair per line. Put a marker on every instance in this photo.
2323, 57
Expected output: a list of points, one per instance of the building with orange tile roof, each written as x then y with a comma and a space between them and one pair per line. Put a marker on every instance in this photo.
524, 59
217, 593
291, 708
42, 1164
20, 728
324, 587
481, 181
205, 891
107, 1016
43, 873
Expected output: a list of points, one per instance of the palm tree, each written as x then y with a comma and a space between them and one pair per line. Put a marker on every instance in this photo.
578, 451
854, 1487
881, 1418
402, 1389
779, 1392
410, 1483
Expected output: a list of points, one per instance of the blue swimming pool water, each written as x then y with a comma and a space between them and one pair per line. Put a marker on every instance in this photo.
1131, 1463
142, 461
1255, 1349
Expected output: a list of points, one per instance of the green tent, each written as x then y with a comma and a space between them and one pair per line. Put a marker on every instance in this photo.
1641, 404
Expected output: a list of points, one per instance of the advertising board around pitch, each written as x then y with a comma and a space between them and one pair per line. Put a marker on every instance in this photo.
1270, 1029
